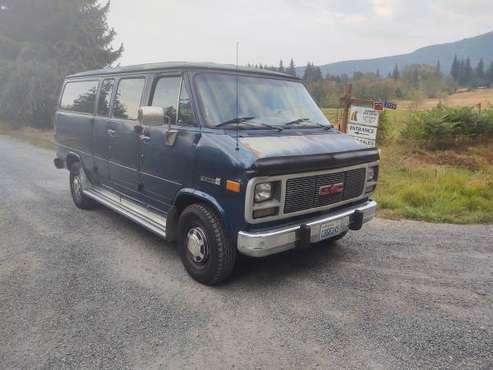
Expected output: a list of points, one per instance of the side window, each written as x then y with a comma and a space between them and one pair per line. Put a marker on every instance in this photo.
127, 98
185, 112
79, 96
166, 96
105, 97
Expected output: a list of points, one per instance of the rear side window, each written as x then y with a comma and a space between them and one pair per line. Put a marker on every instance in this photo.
79, 96
127, 98
105, 97
166, 96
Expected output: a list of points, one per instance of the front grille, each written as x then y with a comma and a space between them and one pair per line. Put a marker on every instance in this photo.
303, 193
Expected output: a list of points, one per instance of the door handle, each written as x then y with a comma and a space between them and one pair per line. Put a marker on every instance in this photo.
111, 132
144, 138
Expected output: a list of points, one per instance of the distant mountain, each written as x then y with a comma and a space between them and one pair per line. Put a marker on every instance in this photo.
474, 48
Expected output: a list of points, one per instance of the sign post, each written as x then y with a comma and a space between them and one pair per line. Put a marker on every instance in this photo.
360, 117
363, 124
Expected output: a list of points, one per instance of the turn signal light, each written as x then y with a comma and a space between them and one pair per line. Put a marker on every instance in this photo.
233, 186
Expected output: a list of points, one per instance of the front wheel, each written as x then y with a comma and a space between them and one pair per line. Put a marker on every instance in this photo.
205, 250
77, 183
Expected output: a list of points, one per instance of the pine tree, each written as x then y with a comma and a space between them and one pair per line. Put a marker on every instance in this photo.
317, 73
438, 68
455, 69
479, 72
41, 42
281, 66
490, 74
291, 69
468, 72
378, 73
307, 74
395, 74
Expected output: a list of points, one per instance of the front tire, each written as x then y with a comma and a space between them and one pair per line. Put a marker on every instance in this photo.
77, 182
206, 252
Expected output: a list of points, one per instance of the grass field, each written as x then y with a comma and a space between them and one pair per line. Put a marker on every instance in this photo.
464, 99
454, 186
42, 138
441, 186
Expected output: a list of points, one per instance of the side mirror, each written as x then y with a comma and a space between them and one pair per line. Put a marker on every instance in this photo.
151, 116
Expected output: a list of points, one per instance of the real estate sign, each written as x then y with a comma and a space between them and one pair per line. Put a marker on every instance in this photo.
363, 124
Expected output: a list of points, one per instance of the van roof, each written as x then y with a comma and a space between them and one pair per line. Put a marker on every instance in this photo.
178, 65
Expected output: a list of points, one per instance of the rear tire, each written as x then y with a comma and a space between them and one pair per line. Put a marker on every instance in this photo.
206, 252
77, 181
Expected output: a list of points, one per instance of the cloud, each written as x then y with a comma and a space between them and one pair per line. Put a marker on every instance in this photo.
382, 8
321, 31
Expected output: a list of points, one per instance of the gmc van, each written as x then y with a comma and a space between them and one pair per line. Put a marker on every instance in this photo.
223, 160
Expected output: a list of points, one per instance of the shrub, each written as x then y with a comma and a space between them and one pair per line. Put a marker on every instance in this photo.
384, 133
445, 127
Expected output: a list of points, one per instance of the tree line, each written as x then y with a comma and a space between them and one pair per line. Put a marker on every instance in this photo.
414, 82
465, 75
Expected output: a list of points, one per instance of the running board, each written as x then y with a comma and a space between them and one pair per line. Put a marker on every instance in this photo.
145, 217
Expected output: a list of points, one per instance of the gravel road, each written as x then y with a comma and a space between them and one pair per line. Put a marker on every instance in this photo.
89, 289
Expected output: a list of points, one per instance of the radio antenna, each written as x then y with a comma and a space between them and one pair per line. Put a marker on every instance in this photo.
237, 107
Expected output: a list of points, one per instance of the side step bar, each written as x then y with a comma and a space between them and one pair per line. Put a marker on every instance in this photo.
145, 217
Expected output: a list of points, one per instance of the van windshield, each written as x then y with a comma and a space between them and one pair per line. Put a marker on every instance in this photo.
262, 102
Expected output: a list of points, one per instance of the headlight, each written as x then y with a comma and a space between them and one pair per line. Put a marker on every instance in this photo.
263, 192
372, 174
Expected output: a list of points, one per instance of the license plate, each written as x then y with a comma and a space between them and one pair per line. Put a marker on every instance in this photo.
333, 228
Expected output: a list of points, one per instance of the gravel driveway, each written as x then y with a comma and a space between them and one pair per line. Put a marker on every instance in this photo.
90, 289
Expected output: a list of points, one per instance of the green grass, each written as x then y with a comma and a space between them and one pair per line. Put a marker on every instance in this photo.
412, 188
41, 138
434, 186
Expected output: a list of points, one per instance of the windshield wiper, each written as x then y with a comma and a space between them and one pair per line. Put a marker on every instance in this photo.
303, 120
235, 120
244, 121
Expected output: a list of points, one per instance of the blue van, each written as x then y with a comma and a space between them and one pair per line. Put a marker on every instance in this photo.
222, 160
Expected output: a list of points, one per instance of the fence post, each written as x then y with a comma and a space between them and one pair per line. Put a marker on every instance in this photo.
346, 104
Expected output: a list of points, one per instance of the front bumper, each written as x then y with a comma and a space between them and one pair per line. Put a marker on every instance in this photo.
277, 240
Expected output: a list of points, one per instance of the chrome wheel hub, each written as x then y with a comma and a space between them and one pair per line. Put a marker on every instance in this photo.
197, 245
77, 186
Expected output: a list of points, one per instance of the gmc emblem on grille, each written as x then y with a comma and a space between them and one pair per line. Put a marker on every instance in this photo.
331, 189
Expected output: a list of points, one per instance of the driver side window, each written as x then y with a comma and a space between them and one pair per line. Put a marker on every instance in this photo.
165, 95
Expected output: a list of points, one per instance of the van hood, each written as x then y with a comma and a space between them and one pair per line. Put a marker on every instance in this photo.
306, 152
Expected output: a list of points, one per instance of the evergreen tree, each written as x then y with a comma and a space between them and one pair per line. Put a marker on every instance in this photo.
41, 41
307, 73
395, 74
467, 72
455, 69
490, 74
438, 68
480, 71
281, 66
312, 73
378, 73
291, 69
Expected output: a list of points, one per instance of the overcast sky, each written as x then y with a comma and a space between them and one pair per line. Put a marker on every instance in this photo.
321, 31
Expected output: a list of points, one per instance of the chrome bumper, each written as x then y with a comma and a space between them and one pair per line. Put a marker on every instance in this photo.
273, 241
